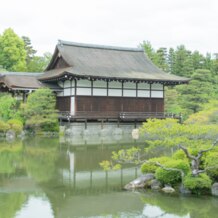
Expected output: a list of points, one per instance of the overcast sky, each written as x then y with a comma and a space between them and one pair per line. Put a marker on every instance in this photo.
165, 23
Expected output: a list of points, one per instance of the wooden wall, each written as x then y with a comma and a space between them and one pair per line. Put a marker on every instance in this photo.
120, 104
63, 103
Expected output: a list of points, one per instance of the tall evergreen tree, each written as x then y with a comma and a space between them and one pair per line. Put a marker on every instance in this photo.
150, 52
171, 60
183, 62
161, 59
198, 92
30, 52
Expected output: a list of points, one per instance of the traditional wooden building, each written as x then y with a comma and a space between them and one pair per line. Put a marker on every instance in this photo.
93, 81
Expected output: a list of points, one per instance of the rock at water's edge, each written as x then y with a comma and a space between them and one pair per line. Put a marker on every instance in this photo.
214, 189
155, 184
184, 190
168, 189
140, 182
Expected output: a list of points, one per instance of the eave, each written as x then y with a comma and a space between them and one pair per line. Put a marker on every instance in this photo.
69, 76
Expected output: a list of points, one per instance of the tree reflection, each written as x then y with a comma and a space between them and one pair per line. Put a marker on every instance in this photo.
10, 204
40, 162
10, 157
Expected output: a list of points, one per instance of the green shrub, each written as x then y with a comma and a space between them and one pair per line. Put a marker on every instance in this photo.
211, 160
197, 184
179, 154
151, 167
51, 126
7, 107
4, 126
15, 125
170, 176
40, 112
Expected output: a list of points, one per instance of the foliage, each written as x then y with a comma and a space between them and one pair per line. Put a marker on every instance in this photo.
12, 51
202, 70
197, 184
8, 107
211, 163
39, 63
180, 155
15, 125
18, 54
171, 101
171, 133
172, 176
150, 166
208, 115
4, 126
40, 112
198, 92
30, 52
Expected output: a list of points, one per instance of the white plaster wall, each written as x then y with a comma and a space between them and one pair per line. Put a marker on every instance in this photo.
157, 94
83, 91
143, 93
129, 93
67, 92
115, 92
99, 92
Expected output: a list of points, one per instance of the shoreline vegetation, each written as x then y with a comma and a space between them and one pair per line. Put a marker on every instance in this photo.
191, 165
36, 116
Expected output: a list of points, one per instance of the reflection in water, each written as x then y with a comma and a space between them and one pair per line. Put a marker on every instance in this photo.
35, 207
59, 180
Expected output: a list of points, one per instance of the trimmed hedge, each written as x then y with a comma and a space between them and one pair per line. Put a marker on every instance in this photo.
169, 176
151, 167
197, 184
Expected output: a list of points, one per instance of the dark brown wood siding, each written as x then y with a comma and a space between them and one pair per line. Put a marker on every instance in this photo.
63, 103
119, 104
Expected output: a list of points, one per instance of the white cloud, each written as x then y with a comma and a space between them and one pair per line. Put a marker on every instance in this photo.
165, 23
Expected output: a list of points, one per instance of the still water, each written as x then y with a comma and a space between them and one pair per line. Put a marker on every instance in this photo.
61, 178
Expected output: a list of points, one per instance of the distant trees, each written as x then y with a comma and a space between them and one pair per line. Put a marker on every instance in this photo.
202, 70
39, 63
17, 54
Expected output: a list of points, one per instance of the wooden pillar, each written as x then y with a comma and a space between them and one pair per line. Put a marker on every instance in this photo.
102, 124
24, 96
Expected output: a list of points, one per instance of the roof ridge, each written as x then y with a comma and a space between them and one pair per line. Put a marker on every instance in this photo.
108, 47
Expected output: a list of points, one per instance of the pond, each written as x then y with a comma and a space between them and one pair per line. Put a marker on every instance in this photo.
61, 178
